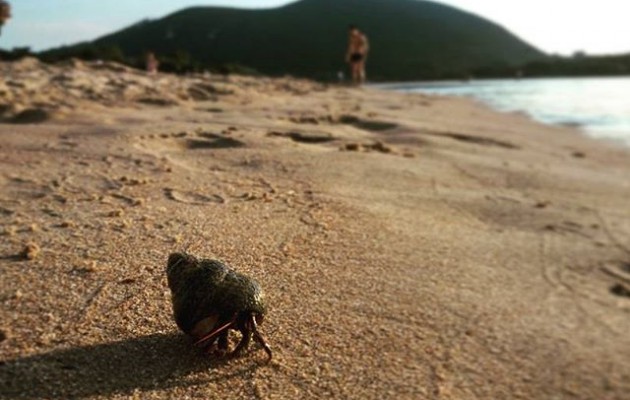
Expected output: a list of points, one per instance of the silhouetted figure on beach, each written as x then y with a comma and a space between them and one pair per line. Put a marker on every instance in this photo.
358, 48
5, 13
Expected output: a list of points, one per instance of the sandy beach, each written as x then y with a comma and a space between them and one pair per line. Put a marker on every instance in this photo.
409, 246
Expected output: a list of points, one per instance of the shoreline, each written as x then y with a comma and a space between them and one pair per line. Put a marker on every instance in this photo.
541, 111
408, 246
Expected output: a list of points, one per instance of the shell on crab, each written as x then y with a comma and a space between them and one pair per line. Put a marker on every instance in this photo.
210, 298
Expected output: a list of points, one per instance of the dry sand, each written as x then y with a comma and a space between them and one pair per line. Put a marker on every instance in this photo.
409, 246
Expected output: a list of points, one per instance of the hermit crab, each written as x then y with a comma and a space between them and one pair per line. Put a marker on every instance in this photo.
209, 298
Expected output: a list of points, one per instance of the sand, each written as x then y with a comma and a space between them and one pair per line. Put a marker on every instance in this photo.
409, 246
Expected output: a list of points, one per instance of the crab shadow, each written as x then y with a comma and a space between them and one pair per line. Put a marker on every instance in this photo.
154, 362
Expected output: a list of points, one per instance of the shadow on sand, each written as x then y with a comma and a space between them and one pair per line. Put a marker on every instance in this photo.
152, 362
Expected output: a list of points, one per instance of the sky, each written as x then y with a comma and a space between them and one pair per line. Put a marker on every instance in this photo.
554, 26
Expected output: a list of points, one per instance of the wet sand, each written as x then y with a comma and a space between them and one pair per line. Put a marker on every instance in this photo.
409, 246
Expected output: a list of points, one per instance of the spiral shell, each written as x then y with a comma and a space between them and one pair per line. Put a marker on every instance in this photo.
207, 293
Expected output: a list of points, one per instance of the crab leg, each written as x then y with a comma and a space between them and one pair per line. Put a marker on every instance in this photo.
247, 335
258, 337
222, 346
216, 332
223, 341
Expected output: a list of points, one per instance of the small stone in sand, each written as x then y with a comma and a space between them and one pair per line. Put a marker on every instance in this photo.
380, 146
248, 196
88, 268
30, 251
10, 231
115, 213
67, 224
352, 147
620, 290
132, 181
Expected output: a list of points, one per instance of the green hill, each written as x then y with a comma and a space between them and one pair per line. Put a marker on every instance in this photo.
410, 39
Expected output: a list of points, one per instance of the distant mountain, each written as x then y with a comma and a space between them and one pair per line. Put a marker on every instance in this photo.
410, 39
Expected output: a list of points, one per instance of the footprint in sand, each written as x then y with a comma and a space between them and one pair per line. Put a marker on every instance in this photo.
213, 141
166, 142
158, 101
31, 116
346, 119
305, 137
368, 125
213, 110
376, 146
484, 141
620, 272
192, 197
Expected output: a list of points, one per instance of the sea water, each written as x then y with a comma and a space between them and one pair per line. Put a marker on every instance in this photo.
598, 106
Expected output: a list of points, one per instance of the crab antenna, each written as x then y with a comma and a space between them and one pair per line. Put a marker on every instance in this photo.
216, 332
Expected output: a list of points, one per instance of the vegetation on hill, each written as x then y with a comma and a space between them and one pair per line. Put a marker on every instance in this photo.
410, 39
556, 66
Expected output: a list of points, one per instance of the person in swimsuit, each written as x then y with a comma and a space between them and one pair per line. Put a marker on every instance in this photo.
5, 13
356, 55
152, 64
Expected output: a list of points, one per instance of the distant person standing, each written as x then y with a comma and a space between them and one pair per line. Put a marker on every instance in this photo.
152, 63
5, 13
358, 48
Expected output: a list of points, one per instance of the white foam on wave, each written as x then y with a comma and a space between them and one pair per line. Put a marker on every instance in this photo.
598, 106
